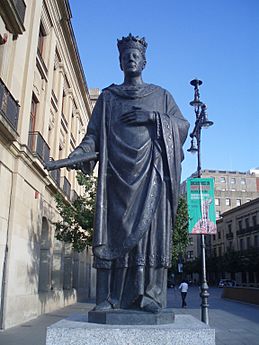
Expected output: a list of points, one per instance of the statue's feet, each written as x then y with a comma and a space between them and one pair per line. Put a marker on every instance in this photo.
149, 305
103, 306
115, 303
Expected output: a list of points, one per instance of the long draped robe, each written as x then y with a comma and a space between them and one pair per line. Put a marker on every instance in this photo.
138, 184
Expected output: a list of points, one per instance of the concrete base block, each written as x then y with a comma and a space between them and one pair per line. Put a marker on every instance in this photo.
77, 331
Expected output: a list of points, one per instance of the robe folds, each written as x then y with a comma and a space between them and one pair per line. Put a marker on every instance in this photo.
138, 178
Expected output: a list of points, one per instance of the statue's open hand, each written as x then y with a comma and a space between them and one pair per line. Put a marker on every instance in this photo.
138, 116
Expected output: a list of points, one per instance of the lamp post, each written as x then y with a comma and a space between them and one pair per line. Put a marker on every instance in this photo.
201, 122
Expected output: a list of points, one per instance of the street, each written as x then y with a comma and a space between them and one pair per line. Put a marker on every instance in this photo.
235, 323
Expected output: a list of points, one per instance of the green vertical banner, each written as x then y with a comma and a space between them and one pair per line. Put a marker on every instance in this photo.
201, 206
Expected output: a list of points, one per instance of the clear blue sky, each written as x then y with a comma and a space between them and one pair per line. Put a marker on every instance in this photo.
215, 41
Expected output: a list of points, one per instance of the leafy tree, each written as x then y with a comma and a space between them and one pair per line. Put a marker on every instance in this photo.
232, 262
193, 266
76, 226
180, 233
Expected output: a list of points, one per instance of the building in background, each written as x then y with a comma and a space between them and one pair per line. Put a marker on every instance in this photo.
94, 94
238, 232
45, 107
232, 189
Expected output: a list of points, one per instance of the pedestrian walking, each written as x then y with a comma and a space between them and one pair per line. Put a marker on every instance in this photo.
183, 289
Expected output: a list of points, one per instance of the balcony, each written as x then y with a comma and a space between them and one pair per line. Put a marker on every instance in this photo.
38, 146
55, 174
66, 187
248, 230
254, 228
241, 232
9, 112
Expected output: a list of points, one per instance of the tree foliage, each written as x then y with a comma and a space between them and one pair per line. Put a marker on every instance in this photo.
180, 233
231, 262
193, 266
76, 226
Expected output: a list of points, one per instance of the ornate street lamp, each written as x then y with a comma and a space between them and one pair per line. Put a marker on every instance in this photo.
202, 121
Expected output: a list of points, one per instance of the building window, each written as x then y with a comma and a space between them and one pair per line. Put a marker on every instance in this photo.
247, 242
217, 202
190, 254
63, 105
243, 180
255, 241
41, 40
190, 240
220, 251
233, 189
230, 228
31, 135
232, 180
13, 13
217, 214
67, 267
214, 237
238, 202
254, 220
57, 268
241, 244
45, 258
222, 179
33, 112
240, 225
228, 202
243, 190
248, 200
247, 223
219, 235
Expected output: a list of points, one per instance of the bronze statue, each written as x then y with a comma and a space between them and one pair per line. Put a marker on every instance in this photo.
138, 130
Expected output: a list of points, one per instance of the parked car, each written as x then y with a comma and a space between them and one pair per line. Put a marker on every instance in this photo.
227, 283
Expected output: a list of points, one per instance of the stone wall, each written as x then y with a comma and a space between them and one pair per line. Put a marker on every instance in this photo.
244, 294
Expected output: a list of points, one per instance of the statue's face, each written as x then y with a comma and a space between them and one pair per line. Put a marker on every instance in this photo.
132, 62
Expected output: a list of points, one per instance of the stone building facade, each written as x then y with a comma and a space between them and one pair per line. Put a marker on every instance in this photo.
238, 231
232, 189
45, 106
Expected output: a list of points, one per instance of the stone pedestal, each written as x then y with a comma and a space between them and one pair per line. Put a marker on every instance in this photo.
77, 331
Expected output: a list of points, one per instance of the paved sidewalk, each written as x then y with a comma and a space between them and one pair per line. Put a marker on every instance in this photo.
235, 323
34, 331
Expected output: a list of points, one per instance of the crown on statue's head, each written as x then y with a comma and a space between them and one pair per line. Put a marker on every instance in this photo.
132, 42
